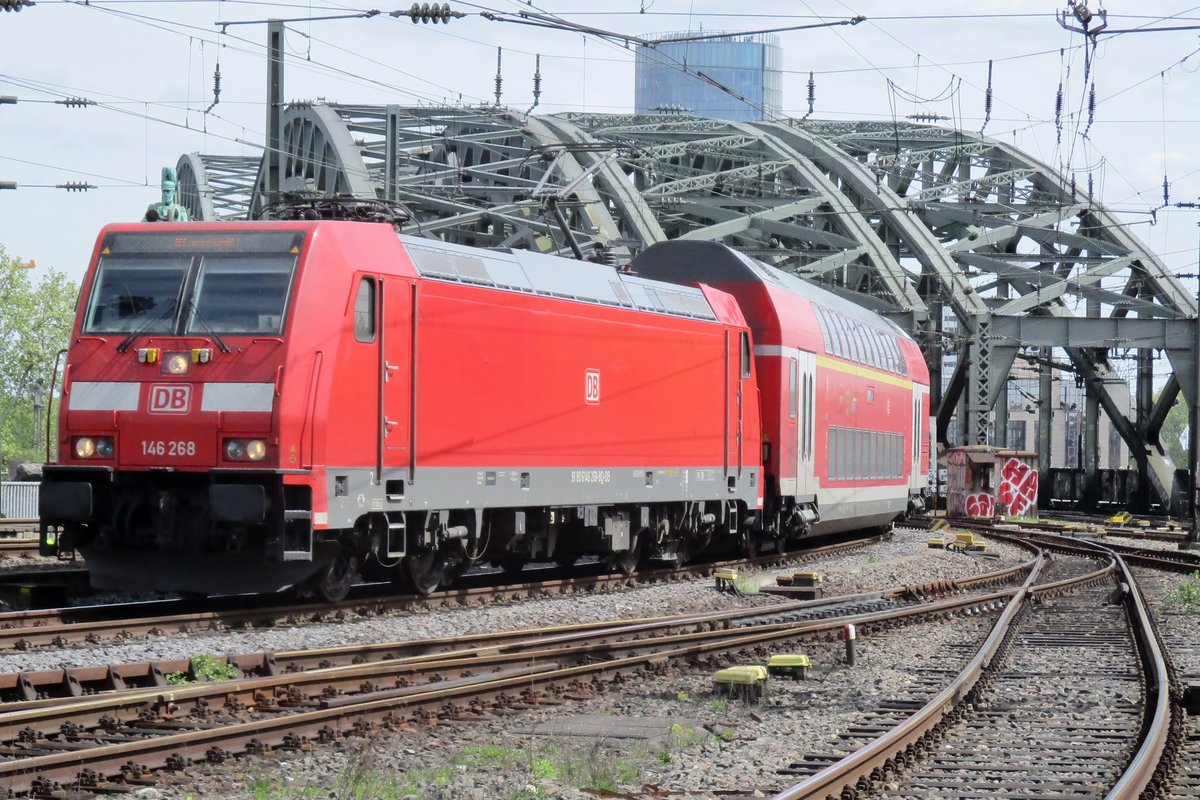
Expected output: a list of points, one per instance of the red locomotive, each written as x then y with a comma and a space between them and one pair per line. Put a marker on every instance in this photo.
252, 406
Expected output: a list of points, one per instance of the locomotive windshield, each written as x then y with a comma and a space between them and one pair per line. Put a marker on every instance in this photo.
194, 284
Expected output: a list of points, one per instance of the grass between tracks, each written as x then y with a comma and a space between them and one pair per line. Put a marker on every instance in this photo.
1185, 598
539, 770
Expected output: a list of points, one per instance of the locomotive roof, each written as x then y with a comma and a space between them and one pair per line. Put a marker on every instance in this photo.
689, 261
554, 276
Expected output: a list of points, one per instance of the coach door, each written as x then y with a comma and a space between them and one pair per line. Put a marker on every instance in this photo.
806, 413
396, 366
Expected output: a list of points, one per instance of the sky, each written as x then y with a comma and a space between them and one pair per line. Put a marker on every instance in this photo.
148, 65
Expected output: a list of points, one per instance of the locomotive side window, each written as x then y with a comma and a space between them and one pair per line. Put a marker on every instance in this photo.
131, 291
240, 294
793, 373
364, 311
745, 355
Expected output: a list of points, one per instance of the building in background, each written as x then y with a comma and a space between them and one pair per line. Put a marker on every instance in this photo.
749, 66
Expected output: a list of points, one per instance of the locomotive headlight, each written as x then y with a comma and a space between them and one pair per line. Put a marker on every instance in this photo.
85, 447
104, 446
234, 450
177, 363
256, 449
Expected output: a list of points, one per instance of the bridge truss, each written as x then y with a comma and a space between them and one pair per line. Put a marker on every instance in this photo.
983, 253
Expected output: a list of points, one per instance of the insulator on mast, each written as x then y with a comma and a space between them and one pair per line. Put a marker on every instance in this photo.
1058, 107
499, 80
537, 82
987, 97
216, 88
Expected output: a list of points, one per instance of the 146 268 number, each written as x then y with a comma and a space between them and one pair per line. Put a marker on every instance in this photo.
168, 449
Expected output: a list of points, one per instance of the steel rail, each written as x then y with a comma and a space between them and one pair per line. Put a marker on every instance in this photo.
1181, 562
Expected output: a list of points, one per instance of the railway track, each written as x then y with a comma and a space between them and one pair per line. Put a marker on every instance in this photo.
88, 742
58, 627
1055, 703
40, 685
16, 546
289, 701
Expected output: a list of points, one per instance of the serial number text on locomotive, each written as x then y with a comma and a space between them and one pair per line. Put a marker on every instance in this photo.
591, 476
170, 448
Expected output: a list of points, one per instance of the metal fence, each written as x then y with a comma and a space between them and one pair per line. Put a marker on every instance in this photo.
18, 499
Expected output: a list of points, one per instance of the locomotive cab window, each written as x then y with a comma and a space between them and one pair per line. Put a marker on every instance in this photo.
131, 292
236, 282
364, 311
745, 355
238, 294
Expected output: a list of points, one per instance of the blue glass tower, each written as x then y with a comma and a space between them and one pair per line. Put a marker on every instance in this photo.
747, 65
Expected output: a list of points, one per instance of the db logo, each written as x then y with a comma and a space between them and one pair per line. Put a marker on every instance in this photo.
168, 398
591, 386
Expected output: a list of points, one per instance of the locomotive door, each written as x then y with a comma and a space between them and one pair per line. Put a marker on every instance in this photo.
736, 394
396, 359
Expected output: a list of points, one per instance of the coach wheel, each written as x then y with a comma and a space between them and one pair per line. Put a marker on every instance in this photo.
752, 545
425, 570
334, 580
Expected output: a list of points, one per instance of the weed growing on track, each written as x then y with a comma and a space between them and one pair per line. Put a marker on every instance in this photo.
747, 585
206, 668
1185, 597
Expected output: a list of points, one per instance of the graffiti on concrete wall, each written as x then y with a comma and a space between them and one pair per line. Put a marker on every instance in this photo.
981, 504
1018, 487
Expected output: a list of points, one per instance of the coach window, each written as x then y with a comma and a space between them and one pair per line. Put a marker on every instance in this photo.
809, 413
364, 311
834, 453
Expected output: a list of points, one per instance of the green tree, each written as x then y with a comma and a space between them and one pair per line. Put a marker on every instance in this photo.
35, 323
1174, 426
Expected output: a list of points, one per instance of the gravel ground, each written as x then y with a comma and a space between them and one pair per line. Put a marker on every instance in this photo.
710, 742
903, 560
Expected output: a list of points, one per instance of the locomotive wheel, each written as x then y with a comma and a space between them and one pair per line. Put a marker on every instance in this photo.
512, 564
624, 562
456, 569
335, 579
425, 570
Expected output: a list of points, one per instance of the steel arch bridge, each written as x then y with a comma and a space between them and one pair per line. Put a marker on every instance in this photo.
981, 251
